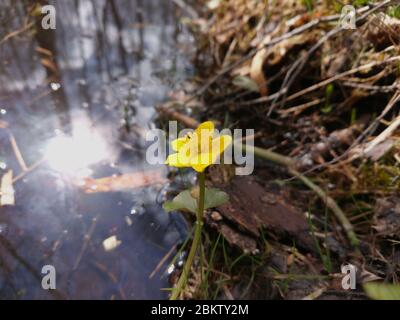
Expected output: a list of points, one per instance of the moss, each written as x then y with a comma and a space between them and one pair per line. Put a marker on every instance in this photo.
377, 177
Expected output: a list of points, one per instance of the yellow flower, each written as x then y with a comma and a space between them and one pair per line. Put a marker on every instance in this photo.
198, 149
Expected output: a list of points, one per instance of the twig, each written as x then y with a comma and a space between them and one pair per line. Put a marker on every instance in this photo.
298, 66
272, 42
373, 88
395, 98
186, 120
17, 152
32, 270
296, 110
112, 277
88, 236
162, 261
341, 75
331, 204
317, 85
383, 135
28, 170
16, 32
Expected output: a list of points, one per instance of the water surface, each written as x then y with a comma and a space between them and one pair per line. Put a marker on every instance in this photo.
77, 102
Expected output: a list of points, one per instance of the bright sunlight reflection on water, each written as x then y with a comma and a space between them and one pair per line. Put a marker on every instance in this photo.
73, 155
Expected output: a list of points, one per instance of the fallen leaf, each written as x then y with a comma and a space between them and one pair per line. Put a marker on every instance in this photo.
7, 190
122, 182
49, 64
257, 72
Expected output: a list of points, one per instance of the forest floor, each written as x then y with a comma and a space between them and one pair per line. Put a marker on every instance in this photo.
323, 100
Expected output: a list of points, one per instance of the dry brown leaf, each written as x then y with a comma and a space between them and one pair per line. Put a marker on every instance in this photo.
257, 72
122, 182
7, 190
44, 51
273, 56
279, 51
49, 64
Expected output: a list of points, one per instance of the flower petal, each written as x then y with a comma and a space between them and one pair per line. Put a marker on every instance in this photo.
201, 161
189, 150
203, 136
200, 149
175, 160
219, 144
208, 125
200, 167
177, 144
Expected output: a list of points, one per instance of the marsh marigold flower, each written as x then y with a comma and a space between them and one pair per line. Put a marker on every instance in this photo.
198, 149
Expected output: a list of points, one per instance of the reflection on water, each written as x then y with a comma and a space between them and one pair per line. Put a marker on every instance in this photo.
76, 102
74, 153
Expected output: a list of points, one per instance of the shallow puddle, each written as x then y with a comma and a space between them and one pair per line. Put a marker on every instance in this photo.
75, 103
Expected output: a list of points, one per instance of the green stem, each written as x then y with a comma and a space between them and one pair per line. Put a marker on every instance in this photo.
340, 215
196, 240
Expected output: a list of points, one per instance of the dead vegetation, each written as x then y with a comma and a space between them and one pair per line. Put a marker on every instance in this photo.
327, 98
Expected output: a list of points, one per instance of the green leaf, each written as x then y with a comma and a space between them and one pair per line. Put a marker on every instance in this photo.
360, 3
214, 198
382, 291
309, 4
183, 200
394, 11
245, 83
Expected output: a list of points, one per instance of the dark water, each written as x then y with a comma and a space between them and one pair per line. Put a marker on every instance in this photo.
78, 100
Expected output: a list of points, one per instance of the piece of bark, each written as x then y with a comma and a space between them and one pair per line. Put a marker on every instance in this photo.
243, 241
252, 207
